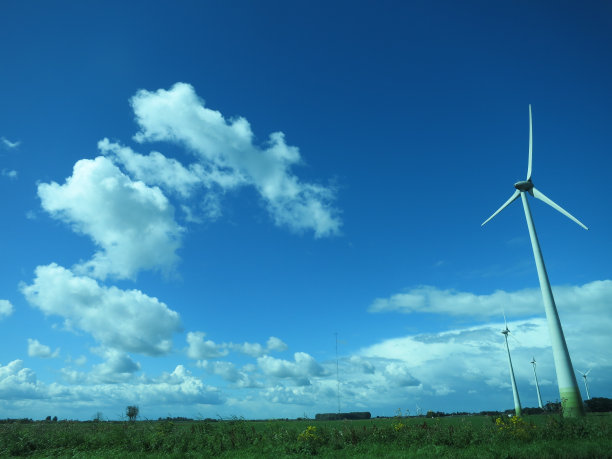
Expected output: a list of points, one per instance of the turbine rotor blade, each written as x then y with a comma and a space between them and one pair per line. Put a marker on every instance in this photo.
512, 198
530, 146
588, 371
514, 337
542, 197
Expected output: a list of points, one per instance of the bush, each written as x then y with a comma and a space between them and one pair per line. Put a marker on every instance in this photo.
132, 412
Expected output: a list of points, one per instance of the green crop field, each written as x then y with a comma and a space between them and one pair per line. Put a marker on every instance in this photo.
534, 436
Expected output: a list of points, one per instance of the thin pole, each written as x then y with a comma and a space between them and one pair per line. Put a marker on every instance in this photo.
337, 373
533, 362
571, 400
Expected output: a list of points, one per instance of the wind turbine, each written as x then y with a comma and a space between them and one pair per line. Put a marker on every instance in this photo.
566, 379
517, 400
533, 362
584, 375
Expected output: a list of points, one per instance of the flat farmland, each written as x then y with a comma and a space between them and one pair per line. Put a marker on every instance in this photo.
451, 436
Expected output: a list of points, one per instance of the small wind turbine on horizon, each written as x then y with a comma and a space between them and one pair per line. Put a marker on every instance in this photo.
533, 362
586, 386
566, 379
517, 400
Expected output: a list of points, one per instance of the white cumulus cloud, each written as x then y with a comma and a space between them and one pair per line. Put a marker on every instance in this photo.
229, 372
19, 386
527, 302
199, 348
229, 157
118, 366
36, 349
126, 320
276, 344
300, 370
132, 223
257, 350
18, 383
6, 308
155, 168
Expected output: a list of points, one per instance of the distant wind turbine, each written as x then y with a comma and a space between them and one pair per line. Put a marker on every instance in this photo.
533, 362
566, 379
517, 400
584, 375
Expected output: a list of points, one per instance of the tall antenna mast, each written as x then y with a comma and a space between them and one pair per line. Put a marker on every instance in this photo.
337, 373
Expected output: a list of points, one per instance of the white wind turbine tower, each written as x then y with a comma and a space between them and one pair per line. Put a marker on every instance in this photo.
584, 375
533, 362
566, 379
517, 400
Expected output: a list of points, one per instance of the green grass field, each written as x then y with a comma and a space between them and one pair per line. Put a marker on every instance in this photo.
537, 436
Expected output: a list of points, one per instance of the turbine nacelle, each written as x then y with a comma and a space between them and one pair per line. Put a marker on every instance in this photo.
525, 185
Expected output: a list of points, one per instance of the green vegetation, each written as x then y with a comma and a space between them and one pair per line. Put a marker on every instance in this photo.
451, 436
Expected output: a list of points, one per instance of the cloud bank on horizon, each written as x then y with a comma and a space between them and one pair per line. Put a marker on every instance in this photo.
419, 367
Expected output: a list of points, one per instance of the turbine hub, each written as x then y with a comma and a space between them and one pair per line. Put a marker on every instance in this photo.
525, 185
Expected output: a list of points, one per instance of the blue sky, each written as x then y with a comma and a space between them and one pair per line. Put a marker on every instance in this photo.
198, 196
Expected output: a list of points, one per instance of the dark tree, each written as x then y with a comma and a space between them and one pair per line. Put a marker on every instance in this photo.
132, 412
599, 404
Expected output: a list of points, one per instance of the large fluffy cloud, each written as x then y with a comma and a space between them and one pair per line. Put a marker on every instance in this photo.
127, 320
132, 223
18, 383
229, 157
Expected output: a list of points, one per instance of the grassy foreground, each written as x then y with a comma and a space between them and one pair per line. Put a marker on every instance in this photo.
539, 436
